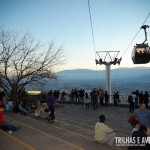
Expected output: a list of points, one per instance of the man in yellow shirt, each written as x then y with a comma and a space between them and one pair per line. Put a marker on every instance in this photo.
104, 134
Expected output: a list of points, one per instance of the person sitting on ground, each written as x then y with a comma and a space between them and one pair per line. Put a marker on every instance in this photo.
18, 109
9, 105
44, 111
37, 112
104, 134
4, 124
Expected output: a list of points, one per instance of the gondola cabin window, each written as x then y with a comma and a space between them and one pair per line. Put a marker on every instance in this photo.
141, 54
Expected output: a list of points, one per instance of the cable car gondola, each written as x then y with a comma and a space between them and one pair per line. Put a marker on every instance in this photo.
141, 52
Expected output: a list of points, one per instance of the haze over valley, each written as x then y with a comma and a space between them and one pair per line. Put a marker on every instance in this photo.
123, 79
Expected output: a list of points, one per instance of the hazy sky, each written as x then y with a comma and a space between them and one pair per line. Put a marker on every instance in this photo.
115, 23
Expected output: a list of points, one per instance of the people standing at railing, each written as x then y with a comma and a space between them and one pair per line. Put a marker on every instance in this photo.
102, 97
115, 101
56, 95
81, 95
76, 93
118, 98
72, 95
94, 99
63, 98
106, 98
136, 99
131, 104
146, 98
98, 95
87, 101
141, 97
133, 101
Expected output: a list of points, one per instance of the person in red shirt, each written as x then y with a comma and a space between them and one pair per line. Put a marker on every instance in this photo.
4, 124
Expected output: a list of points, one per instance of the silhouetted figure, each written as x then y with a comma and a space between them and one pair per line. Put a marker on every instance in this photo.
138, 137
94, 99
51, 103
131, 104
102, 97
115, 101
141, 97
24, 98
106, 98
146, 98
87, 101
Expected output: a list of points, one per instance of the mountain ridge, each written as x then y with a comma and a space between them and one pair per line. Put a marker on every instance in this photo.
88, 73
123, 79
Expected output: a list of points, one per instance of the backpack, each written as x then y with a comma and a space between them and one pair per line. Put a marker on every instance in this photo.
129, 99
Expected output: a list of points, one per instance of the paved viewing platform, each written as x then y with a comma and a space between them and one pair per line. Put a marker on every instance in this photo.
72, 130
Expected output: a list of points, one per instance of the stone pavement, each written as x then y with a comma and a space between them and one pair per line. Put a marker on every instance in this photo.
73, 130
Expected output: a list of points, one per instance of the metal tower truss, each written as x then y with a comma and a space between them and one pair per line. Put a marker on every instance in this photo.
108, 58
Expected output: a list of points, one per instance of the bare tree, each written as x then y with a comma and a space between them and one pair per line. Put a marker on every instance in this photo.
24, 61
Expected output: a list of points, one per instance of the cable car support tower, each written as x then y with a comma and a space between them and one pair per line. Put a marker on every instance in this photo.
108, 58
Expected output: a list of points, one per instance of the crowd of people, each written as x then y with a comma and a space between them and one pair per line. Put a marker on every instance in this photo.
136, 97
95, 97
139, 119
99, 97
43, 110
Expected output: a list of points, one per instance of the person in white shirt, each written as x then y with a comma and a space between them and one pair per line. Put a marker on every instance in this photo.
133, 100
104, 134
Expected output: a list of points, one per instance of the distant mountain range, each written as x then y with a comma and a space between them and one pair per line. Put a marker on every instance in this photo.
126, 79
130, 74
